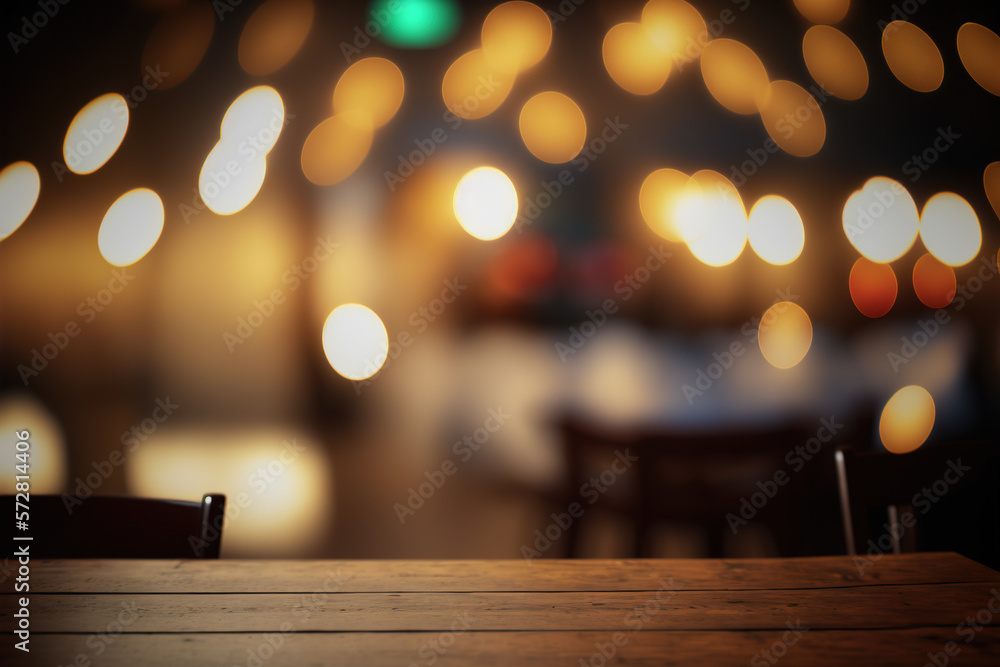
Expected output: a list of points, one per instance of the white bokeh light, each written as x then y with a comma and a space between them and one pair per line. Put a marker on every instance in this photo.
355, 341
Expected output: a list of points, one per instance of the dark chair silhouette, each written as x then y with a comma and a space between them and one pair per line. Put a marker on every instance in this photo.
938, 498
120, 527
694, 478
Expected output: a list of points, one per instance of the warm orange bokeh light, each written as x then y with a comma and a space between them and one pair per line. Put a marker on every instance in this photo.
285, 517
372, 86
834, 62
552, 127
677, 29
907, 419
823, 11
793, 119
336, 148
522, 268
933, 282
991, 183
912, 56
274, 34
178, 43
633, 60
659, 197
734, 75
784, 334
516, 36
979, 49
473, 88
873, 287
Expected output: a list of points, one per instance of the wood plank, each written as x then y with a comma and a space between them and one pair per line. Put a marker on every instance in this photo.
943, 605
818, 648
374, 576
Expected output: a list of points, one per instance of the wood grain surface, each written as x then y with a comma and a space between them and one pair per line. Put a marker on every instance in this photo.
897, 610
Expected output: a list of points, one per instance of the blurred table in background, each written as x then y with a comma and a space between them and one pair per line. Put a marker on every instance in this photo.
893, 610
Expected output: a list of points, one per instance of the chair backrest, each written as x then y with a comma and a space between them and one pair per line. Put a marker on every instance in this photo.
939, 497
119, 527
694, 477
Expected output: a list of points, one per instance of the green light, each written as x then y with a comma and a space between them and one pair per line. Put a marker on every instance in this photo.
415, 24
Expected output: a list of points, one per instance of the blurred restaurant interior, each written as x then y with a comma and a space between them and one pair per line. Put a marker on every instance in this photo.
412, 278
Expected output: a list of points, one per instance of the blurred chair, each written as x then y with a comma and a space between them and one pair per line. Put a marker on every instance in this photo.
938, 498
697, 479
120, 527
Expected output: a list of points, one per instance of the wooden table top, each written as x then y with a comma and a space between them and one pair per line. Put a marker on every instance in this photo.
798, 611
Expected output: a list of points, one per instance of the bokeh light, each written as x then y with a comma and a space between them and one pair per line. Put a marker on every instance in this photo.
907, 419
950, 229
676, 28
823, 11
707, 195
283, 518
254, 119
274, 33
834, 62
228, 181
712, 218
131, 227
633, 60
881, 220
473, 88
979, 49
933, 282
784, 334
234, 170
485, 203
178, 43
553, 127
775, 230
793, 119
373, 86
336, 148
48, 462
734, 75
516, 36
912, 56
95, 133
19, 189
415, 24
522, 269
873, 287
991, 184
355, 341
659, 196
614, 382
